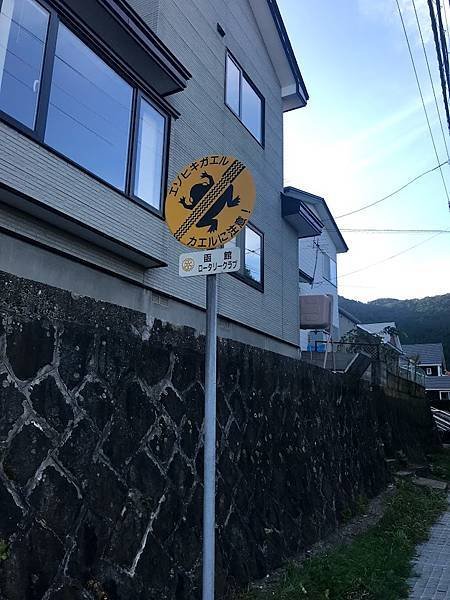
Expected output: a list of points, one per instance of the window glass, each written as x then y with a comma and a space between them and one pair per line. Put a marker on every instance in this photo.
149, 156
232, 86
252, 264
23, 31
90, 110
243, 100
333, 272
251, 109
326, 266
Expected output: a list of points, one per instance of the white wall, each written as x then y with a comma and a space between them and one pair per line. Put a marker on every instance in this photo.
311, 251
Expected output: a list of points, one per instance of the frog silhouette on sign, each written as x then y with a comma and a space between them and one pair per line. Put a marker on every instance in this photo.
196, 194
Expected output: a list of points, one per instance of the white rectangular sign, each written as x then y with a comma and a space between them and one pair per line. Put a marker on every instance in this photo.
210, 262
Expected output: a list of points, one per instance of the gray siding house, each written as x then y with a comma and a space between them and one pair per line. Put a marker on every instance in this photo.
102, 103
430, 357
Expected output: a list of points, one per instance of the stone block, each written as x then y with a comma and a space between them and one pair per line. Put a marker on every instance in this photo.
26, 452
10, 406
133, 417
34, 559
10, 513
29, 346
49, 402
76, 452
96, 400
56, 501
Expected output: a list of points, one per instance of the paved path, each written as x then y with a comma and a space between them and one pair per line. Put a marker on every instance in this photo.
432, 564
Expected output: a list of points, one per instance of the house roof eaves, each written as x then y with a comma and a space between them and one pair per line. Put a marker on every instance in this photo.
329, 222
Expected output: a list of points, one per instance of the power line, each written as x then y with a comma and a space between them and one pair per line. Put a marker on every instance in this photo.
350, 230
443, 42
431, 78
392, 193
439, 58
393, 256
422, 98
446, 24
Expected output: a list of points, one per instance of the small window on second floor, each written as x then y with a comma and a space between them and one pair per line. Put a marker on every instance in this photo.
242, 97
329, 269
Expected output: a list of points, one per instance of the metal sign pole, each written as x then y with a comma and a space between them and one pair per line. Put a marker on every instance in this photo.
209, 491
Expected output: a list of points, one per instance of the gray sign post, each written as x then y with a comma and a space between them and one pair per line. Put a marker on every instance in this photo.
219, 196
209, 494
223, 260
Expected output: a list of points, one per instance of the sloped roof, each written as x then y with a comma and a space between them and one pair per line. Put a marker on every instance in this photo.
441, 383
379, 329
349, 316
429, 354
319, 204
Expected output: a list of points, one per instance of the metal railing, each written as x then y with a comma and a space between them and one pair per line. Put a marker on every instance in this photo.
396, 364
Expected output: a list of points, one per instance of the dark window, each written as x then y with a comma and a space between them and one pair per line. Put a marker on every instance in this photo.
85, 108
149, 154
23, 30
250, 241
90, 110
242, 97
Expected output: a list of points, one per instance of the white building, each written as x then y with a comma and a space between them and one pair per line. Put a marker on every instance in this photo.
317, 252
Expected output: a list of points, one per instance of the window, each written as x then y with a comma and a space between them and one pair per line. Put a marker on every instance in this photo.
23, 30
243, 99
85, 110
253, 254
232, 86
250, 241
329, 269
89, 111
429, 371
149, 159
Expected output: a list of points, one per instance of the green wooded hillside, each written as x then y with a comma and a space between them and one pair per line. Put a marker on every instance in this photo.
423, 320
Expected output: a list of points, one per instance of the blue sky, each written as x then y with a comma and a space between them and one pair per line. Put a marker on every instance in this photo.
364, 134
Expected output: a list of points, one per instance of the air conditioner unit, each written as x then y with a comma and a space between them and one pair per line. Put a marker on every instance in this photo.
315, 312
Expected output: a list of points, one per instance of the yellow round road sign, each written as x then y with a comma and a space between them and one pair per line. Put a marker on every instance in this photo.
210, 201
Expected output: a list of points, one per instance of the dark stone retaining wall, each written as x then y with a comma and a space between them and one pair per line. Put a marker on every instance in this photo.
101, 452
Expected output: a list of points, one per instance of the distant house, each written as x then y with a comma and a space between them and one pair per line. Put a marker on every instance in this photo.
318, 279
386, 331
430, 357
438, 387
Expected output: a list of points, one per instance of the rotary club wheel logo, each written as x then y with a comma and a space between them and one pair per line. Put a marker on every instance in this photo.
187, 264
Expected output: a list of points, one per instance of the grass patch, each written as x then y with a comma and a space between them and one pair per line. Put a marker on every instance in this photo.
440, 464
376, 565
